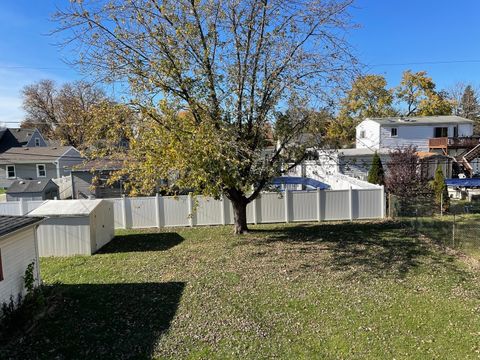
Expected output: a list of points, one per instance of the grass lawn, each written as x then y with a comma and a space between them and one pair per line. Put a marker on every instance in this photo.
303, 291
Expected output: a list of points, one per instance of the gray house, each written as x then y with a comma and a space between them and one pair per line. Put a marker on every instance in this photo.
28, 137
37, 163
90, 180
32, 190
12, 137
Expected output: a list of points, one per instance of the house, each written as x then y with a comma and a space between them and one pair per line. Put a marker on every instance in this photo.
74, 227
448, 135
44, 189
17, 137
28, 137
89, 179
18, 249
422, 132
37, 163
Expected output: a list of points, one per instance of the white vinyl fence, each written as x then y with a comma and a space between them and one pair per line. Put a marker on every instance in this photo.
185, 210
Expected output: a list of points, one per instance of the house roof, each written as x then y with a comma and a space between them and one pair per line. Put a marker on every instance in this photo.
7, 140
28, 186
362, 152
22, 135
33, 154
420, 120
9, 224
66, 208
99, 164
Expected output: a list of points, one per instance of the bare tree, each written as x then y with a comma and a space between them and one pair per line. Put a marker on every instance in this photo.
61, 113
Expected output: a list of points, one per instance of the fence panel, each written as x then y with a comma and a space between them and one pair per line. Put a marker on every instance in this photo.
271, 208
304, 206
175, 210
117, 213
335, 205
367, 203
143, 212
208, 211
10, 208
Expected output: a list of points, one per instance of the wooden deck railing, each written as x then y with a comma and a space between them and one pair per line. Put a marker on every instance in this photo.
453, 142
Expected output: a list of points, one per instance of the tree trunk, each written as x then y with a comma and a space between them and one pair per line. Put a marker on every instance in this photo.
240, 217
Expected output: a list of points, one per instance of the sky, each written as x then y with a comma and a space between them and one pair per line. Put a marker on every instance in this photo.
438, 36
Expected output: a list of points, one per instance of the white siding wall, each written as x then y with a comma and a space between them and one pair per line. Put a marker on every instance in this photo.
417, 135
18, 250
371, 139
64, 236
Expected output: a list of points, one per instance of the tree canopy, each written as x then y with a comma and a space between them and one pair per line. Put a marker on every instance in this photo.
208, 78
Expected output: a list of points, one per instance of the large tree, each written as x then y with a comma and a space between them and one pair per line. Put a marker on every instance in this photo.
63, 112
417, 94
208, 78
367, 97
469, 107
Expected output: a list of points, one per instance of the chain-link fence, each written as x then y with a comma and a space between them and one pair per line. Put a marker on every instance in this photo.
454, 225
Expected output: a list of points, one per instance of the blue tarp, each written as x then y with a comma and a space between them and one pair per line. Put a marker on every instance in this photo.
473, 182
292, 180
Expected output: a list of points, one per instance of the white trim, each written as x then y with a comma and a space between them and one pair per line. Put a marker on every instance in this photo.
36, 223
14, 171
44, 170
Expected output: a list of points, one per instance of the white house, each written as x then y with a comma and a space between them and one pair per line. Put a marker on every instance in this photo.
395, 132
18, 249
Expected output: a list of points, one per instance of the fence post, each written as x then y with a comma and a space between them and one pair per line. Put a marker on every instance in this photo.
124, 212
222, 207
22, 207
319, 208
190, 209
158, 211
382, 201
350, 200
287, 217
254, 205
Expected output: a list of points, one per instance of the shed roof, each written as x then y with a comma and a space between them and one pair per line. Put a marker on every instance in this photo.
66, 208
9, 224
30, 186
421, 120
468, 182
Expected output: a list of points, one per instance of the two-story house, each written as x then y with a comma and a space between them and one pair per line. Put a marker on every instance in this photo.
451, 136
397, 132
32, 163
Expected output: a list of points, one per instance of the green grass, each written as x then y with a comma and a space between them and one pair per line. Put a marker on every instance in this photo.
460, 232
333, 291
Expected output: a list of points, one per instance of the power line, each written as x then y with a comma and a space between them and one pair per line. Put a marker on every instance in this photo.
439, 62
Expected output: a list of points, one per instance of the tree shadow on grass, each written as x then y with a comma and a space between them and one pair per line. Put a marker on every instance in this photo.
142, 242
101, 321
380, 249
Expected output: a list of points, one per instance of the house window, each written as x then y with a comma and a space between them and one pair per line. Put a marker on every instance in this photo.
362, 134
11, 172
1, 266
41, 171
37, 142
441, 132
393, 132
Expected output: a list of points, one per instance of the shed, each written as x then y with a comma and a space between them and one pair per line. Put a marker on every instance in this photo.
18, 249
74, 227
32, 190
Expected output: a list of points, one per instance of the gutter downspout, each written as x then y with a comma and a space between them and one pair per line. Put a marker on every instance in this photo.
57, 163
37, 255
